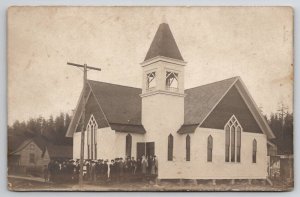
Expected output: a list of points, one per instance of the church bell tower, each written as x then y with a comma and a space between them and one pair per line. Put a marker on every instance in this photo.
163, 85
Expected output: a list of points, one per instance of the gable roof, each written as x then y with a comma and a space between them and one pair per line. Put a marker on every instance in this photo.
201, 101
14, 141
121, 106
163, 44
38, 141
54, 151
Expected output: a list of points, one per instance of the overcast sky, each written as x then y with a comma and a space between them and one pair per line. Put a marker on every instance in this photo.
218, 43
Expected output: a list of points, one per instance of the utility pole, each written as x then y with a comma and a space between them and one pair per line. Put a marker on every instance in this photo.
282, 114
85, 69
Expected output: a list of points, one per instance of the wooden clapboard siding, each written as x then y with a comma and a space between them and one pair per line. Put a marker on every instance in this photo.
40, 158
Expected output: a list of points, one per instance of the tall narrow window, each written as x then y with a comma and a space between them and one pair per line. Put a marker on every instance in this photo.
209, 148
254, 151
91, 129
172, 81
151, 81
227, 143
88, 133
233, 132
188, 147
238, 144
128, 145
170, 148
232, 144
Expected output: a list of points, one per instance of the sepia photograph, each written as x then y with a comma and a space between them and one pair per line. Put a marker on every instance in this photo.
128, 98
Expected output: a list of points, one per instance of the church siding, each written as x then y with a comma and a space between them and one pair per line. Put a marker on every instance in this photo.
110, 144
232, 104
120, 141
199, 168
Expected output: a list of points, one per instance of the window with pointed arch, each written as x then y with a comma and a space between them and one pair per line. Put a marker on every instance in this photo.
92, 127
254, 150
209, 148
188, 148
128, 145
233, 132
170, 147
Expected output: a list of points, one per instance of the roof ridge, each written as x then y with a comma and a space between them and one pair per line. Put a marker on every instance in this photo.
113, 84
213, 82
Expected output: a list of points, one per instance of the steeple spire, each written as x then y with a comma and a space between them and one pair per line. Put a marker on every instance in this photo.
164, 44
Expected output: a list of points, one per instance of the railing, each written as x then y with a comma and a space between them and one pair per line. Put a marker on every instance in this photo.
150, 89
172, 89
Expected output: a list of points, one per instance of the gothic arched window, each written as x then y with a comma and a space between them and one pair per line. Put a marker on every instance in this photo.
233, 132
188, 148
92, 127
128, 145
170, 147
209, 148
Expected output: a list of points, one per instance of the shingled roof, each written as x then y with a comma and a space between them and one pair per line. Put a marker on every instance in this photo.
200, 100
163, 44
122, 105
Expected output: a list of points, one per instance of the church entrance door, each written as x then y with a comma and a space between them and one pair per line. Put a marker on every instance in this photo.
145, 148
150, 149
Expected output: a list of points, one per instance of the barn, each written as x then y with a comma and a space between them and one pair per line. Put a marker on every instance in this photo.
214, 131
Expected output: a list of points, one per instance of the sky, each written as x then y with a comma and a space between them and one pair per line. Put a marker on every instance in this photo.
255, 43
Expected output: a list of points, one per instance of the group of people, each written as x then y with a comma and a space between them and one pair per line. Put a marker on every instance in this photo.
115, 170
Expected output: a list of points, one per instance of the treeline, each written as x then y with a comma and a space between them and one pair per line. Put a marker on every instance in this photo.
52, 129
282, 126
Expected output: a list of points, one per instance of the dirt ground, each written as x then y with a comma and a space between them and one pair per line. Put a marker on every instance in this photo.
19, 184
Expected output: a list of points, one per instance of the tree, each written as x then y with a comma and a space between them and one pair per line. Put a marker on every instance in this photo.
52, 129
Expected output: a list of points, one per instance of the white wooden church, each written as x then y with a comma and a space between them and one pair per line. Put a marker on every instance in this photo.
214, 131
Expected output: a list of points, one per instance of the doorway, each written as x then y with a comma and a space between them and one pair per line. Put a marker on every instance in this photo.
145, 148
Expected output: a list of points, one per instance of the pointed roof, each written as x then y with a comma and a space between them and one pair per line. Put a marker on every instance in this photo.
202, 100
164, 44
121, 105
206, 97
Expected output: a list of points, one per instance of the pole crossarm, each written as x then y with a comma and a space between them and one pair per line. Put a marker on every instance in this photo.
82, 66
